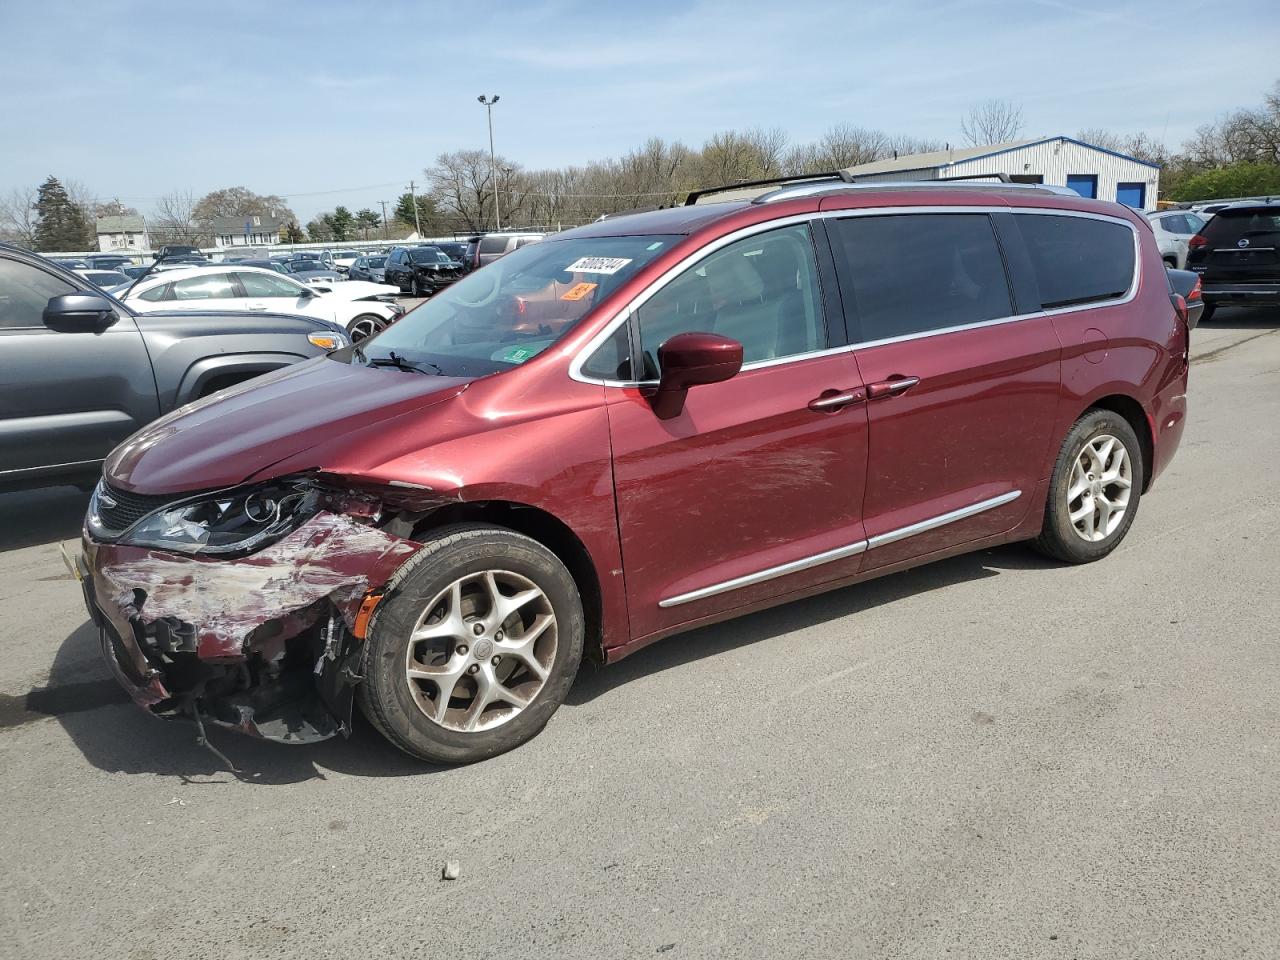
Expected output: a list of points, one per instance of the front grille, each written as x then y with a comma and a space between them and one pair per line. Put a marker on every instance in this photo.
129, 507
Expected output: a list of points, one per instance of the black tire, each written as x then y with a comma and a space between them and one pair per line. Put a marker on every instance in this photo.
417, 288
450, 553
365, 319
1207, 314
1058, 537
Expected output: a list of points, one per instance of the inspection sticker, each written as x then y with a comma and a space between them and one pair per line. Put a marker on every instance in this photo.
578, 291
598, 265
516, 354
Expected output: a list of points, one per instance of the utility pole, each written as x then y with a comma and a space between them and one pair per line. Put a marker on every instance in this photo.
384, 218
493, 163
417, 224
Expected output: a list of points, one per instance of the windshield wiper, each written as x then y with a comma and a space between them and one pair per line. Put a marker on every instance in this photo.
393, 359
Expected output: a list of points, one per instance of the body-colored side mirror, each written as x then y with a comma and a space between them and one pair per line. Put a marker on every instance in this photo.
80, 311
690, 360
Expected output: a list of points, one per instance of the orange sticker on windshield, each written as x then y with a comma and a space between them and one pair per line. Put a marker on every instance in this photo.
578, 291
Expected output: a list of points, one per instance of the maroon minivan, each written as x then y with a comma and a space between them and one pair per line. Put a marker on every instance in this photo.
631, 429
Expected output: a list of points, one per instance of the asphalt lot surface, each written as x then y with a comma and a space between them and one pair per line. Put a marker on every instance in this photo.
994, 756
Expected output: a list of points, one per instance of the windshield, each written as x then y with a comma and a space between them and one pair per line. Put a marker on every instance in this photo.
516, 307
376, 262
428, 255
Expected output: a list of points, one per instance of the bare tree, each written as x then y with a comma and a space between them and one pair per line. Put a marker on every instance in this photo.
174, 221
461, 184
993, 121
18, 218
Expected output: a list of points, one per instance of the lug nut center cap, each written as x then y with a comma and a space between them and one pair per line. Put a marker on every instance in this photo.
483, 649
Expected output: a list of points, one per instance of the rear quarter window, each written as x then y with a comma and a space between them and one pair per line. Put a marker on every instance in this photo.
1078, 260
493, 245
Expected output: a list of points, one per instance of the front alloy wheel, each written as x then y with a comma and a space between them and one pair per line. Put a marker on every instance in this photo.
365, 326
474, 645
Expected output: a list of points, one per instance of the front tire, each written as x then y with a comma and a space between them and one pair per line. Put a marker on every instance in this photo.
474, 646
365, 326
1094, 491
417, 288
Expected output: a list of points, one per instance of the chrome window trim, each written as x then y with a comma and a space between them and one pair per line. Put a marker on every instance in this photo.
624, 314
840, 553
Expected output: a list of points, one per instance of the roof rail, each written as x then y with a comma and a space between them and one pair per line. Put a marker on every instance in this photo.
1003, 184
839, 176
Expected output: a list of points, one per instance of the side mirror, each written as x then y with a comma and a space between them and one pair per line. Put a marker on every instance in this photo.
79, 311
690, 360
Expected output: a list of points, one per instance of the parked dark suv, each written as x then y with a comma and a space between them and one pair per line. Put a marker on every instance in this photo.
1237, 254
420, 270
631, 429
80, 371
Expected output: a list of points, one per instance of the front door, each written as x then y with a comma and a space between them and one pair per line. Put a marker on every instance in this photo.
67, 395
961, 396
755, 489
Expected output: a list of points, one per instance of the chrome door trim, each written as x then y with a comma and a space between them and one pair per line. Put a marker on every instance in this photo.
770, 573
840, 553
624, 314
893, 536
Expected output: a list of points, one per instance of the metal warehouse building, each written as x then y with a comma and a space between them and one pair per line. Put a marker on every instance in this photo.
1061, 161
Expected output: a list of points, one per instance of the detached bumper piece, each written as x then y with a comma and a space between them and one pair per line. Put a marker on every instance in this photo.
263, 645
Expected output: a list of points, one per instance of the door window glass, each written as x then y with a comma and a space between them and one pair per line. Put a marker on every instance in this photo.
212, 286
761, 291
493, 245
1078, 259
265, 285
914, 273
24, 293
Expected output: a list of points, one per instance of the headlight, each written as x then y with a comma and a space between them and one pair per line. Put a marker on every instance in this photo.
329, 340
230, 522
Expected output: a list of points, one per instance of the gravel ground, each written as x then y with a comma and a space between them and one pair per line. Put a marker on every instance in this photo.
993, 756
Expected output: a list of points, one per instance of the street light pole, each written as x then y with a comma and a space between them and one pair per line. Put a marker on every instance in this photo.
493, 162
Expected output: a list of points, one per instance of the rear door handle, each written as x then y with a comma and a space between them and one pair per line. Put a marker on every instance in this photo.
891, 387
833, 400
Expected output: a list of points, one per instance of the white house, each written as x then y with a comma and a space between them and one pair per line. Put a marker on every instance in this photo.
122, 233
250, 231
1061, 161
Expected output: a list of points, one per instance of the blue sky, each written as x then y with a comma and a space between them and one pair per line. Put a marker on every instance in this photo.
331, 103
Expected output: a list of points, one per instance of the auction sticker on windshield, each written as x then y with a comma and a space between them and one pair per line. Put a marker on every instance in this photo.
578, 291
597, 265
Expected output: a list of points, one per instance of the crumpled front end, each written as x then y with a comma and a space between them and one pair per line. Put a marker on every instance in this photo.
269, 643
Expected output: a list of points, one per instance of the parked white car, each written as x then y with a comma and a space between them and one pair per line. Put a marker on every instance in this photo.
1173, 230
363, 308
343, 259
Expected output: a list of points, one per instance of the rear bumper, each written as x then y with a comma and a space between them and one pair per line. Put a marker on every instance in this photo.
1240, 292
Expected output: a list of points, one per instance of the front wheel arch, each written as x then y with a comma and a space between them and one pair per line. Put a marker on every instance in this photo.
548, 530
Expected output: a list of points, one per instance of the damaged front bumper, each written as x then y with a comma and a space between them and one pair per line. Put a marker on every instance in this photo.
269, 644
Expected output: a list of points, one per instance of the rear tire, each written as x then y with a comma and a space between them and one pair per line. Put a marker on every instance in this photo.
1094, 490
1208, 312
487, 619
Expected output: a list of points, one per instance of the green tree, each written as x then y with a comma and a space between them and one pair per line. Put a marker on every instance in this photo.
320, 230
404, 210
1235, 180
342, 223
292, 233
62, 225
368, 220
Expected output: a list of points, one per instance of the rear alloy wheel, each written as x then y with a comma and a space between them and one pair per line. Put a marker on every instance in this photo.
474, 647
365, 326
1094, 492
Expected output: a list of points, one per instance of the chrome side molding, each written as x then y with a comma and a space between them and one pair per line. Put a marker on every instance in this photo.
840, 553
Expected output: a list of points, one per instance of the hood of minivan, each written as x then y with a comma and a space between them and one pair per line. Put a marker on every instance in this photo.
229, 437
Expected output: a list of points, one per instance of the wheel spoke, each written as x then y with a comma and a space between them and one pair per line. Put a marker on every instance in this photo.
1104, 515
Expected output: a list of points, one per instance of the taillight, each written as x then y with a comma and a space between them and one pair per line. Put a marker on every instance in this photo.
1180, 305
1198, 241
1195, 291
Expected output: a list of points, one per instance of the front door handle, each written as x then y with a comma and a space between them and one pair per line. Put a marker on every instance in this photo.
833, 400
891, 387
